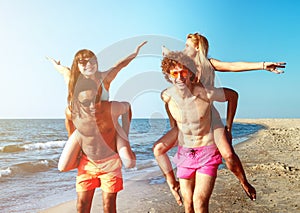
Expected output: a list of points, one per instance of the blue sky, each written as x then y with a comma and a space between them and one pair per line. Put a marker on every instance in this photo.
237, 30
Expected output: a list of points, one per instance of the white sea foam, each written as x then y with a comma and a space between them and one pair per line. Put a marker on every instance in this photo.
5, 172
46, 145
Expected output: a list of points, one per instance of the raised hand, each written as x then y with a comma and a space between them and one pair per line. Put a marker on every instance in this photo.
273, 66
139, 47
53, 61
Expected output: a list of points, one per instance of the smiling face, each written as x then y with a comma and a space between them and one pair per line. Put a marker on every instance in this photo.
87, 66
84, 117
86, 95
180, 76
87, 100
177, 67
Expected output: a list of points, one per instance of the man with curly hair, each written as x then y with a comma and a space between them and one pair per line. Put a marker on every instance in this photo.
189, 106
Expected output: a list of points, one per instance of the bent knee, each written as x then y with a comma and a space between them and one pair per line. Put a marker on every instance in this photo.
128, 164
229, 156
62, 167
158, 149
68, 113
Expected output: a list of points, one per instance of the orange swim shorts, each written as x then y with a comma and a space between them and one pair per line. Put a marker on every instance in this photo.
105, 173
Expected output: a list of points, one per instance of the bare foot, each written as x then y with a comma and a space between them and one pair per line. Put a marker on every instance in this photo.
175, 191
250, 191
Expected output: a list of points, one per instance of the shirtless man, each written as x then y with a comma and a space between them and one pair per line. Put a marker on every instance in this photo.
100, 164
190, 107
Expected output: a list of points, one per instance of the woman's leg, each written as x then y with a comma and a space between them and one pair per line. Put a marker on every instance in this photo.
232, 160
71, 154
123, 146
68, 122
160, 148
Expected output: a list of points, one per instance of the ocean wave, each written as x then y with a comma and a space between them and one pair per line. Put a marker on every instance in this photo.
5, 172
32, 146
28, 167
238, 140
146, 164
12, 148
47, 145
32, 167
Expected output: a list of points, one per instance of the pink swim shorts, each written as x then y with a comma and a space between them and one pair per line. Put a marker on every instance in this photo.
204, 159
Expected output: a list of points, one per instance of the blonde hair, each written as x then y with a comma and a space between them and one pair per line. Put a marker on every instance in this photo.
206, 72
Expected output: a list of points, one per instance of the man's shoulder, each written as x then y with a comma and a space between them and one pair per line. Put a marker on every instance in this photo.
116, 107
116, 103
166, 94
200, 91
169, 90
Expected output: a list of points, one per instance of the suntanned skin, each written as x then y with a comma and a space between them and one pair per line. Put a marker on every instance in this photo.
89, 71
190, 107
223, 142
96, 133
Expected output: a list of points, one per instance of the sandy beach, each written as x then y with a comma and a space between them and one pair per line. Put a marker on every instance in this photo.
271, 159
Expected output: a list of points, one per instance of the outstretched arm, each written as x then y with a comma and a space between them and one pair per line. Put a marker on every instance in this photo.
111, 74
247, 66
65, 71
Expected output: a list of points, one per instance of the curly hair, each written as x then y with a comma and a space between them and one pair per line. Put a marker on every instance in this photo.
175, 58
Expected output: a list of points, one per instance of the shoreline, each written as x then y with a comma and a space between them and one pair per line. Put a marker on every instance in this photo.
271, 159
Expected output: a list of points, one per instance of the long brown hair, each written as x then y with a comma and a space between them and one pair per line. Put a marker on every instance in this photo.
84, 53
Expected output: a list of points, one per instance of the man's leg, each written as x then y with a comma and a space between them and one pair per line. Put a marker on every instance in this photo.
84, 201
109, 202
204, 186
187, 189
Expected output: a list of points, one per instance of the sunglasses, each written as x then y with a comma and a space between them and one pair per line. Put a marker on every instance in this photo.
84, 62
183, 73
87, 103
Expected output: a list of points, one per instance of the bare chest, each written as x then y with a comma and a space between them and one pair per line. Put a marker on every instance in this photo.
190, 111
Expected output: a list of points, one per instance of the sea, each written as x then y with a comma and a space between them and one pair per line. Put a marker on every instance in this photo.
30, 149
